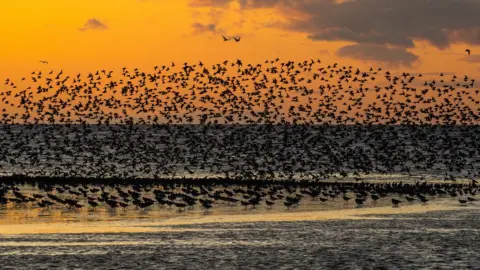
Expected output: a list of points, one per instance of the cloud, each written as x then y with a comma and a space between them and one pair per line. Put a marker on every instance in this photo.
391, 21
209, 3
472, 58
375, 22
200, 28
245, 4
345, 34
93, 24
379, 53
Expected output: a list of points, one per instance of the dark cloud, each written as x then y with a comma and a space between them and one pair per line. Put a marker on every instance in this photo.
380, 53
378, 22
93, 24
394, 22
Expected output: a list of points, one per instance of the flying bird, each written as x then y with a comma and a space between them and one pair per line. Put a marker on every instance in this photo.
44, 62
225, 39
237, 39
468, 51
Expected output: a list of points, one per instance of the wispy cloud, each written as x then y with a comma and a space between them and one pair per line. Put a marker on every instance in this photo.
200, 28
379, 53
93, 24
474, 58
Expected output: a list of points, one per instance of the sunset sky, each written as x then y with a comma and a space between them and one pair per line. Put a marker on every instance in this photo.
86, 35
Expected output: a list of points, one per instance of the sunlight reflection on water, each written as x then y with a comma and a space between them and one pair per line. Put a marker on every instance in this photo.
418, 240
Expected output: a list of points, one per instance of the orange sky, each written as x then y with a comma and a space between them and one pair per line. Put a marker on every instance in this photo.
144, 33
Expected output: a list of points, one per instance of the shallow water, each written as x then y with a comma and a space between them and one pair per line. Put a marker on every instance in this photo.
418, 243
30, 213
17, 221
440, 235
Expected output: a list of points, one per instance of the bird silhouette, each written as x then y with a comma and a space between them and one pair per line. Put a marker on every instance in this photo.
238, 133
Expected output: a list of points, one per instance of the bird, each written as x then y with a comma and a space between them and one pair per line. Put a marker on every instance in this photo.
468, 51
237, 39
269, 203
395, 202
43, 62
225, 38
359, 202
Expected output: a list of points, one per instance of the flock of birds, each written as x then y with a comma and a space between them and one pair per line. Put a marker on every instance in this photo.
261, 194
236, 39
283, 126
276, 120
271, 93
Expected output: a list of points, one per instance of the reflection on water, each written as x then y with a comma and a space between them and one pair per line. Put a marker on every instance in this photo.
129, 243
421, 240
333, 235
28, 220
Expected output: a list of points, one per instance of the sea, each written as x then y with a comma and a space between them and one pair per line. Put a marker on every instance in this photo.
438, 235
415, 237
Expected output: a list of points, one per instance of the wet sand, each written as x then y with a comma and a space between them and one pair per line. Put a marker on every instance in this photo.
23, 221
409, 237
